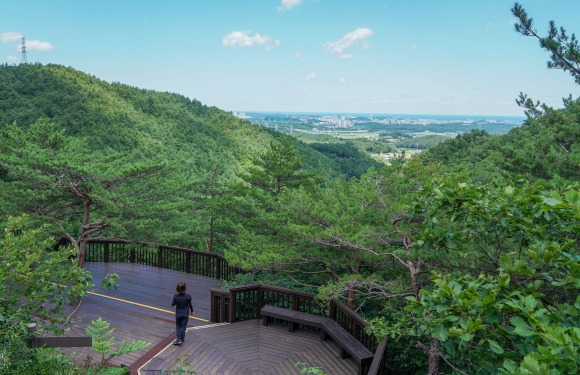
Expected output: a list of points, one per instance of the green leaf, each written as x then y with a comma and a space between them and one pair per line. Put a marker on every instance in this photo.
521, 327
509, 191
553, 200
440, 332
572, 196
530, 366
495, 347
530, 302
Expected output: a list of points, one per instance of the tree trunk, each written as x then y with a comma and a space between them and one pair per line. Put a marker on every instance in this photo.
414, 271
434, 356
350, 299
211, 235
82, 251
433, 353
209, 248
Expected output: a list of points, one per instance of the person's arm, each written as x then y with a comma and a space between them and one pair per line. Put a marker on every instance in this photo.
190, 306
173, 302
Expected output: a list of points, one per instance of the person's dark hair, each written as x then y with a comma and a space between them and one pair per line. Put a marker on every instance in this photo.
181, 288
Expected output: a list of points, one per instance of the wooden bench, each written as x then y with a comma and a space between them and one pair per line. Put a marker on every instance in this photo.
292, 317
349, 346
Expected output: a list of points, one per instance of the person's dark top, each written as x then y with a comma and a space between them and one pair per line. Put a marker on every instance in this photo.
182, 303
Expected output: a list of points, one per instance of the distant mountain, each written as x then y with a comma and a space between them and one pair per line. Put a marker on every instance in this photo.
543, 147
121, 117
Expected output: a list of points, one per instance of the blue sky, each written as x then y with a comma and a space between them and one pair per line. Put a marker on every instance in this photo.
344, 56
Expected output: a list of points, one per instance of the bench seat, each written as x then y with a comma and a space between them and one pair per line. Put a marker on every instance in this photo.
292, 317
349, 346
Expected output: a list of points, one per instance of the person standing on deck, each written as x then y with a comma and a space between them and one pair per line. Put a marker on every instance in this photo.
182, 303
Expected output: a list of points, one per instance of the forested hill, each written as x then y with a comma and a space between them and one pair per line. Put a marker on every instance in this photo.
545, 146
122, 118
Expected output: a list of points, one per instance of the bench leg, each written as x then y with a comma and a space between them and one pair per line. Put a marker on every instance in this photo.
344, 354
363, 368
291, 326
265, 320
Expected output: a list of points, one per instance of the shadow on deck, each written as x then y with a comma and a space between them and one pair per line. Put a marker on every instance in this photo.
141, 310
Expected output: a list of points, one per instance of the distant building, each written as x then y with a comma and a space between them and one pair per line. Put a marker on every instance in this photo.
241, 115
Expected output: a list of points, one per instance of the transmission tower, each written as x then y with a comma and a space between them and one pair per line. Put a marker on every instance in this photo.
23, 59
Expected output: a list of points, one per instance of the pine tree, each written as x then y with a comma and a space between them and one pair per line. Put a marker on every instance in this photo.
81, 193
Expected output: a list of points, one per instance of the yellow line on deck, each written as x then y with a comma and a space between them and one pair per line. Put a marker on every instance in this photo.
142, 305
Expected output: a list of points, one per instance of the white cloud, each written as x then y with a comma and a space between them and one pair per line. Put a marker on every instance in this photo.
36, 45
288, 4
30, 44
11, 36
297, 54
272, 46
310, 77
353, 38
12, 58
413, 47
237, 39
342, 80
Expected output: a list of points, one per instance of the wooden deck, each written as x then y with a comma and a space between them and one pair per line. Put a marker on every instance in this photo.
141, 310
249, 348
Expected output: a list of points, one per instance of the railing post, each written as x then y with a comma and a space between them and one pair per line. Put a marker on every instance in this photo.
159, 256
212, 308
31, 340
232, 307
332, 310
106, 253
218, 270
132, 255
225, 305
219, 305
188, 262
260, 300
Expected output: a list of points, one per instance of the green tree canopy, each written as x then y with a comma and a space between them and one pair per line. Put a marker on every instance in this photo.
511, 299
85, 193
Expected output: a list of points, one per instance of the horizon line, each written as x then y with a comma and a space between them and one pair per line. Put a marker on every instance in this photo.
523, 117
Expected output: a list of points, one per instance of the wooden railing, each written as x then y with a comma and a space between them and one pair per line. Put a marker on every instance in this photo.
245, 302
353, 323
162, 256
239, 303
378, 365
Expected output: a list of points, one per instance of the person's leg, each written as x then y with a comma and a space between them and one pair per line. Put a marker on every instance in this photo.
183, 327
177, 329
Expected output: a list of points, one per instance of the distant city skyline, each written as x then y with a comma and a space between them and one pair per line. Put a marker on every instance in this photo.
386, 115
319, 56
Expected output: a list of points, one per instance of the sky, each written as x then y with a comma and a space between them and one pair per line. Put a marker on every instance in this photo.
456, 57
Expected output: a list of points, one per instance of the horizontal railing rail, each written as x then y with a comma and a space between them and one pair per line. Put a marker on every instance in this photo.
161, 256
379, 360
352, 322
